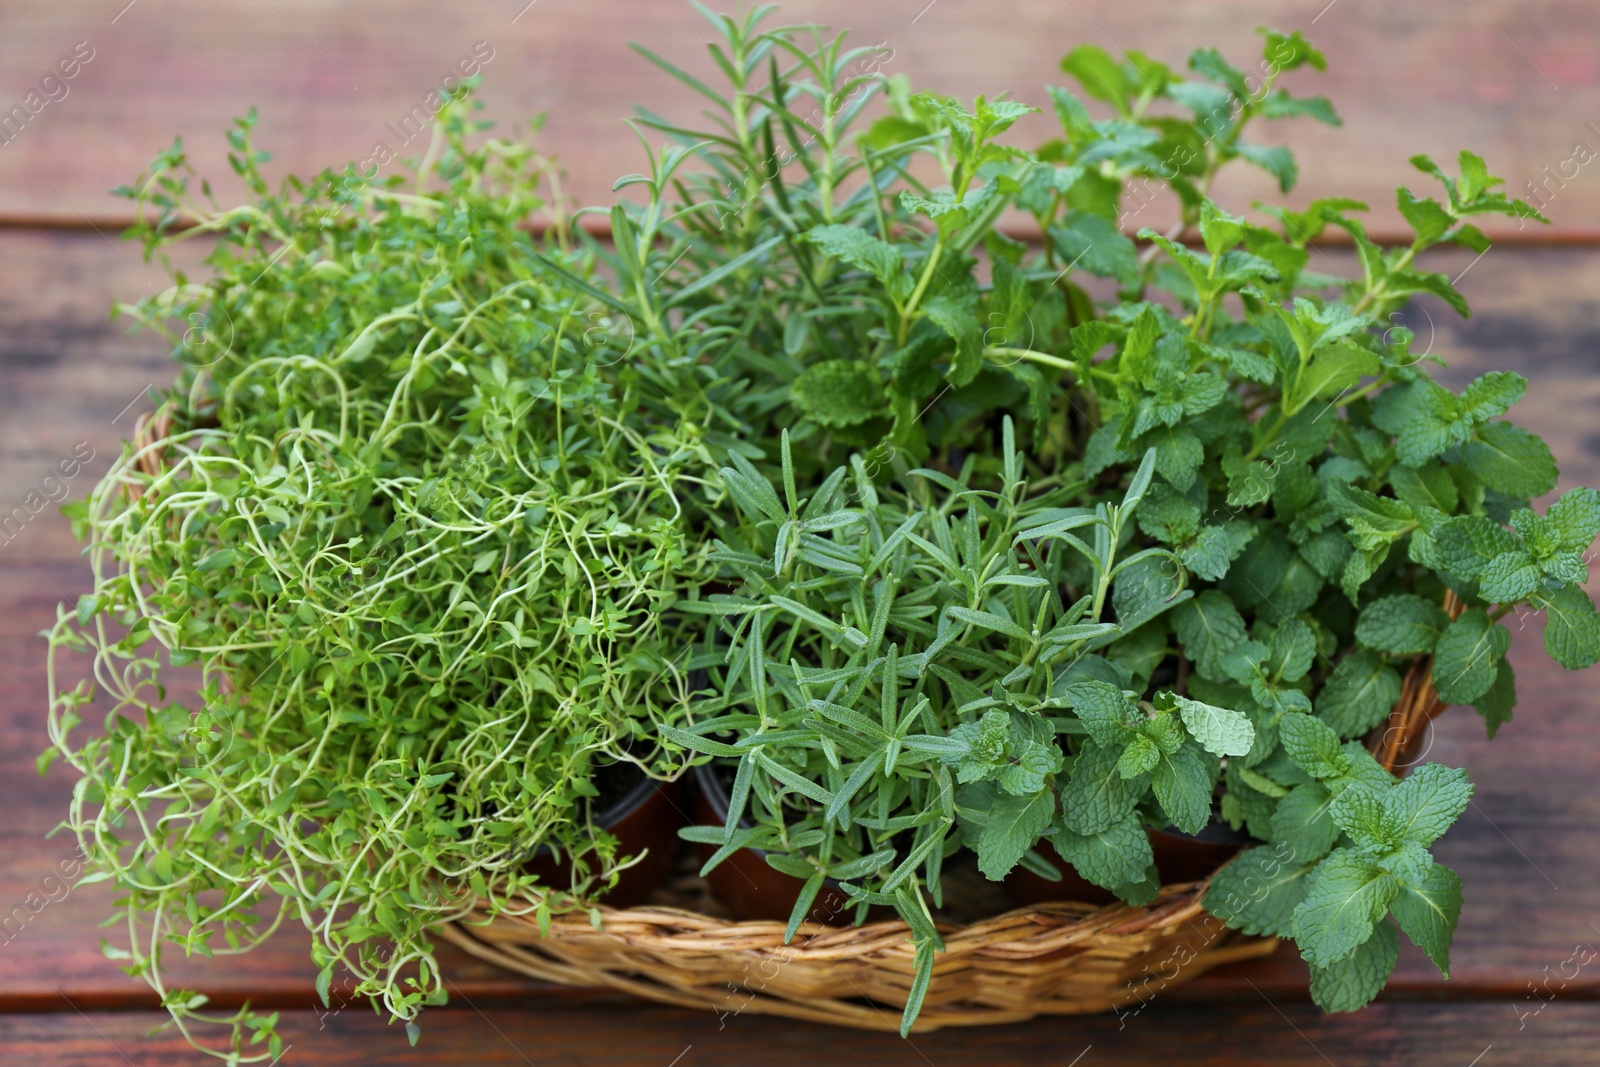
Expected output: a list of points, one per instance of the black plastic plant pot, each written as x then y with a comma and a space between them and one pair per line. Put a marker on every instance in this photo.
744, 883
644, 819
1179, 857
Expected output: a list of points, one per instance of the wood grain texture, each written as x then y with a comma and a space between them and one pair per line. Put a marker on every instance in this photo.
1525, 849
1258, 1033
1512, 79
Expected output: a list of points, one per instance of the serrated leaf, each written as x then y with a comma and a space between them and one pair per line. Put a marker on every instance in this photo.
1511, 460
1096, 795
1013, 825
1467, 656
1182, 786
1220, 731
1348, 893
1118, 854
1303, 822
1258, 891
1402, 625
1427, 910
1216, 547
1209, 628
1571, 628
1349, 984
1359, 694
1428, 801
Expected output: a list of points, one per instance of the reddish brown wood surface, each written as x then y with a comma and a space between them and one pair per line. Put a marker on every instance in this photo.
1513, 79
1526, 849
1259, 1032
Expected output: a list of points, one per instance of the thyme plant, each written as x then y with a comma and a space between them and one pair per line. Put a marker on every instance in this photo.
400, 557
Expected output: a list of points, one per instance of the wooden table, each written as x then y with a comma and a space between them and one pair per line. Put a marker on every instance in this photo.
1528, 848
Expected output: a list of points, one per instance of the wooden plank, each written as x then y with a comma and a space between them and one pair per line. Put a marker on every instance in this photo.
1512, 80
1259, 1033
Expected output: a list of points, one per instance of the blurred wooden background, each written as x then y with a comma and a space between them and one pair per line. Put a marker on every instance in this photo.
1515, 81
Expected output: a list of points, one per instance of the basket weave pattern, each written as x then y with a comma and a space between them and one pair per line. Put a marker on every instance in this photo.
1047, 959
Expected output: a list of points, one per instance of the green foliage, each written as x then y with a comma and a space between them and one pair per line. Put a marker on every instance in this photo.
358, 641
942, 545
1104, 536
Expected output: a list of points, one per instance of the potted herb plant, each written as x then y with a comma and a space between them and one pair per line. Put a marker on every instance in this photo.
374, 628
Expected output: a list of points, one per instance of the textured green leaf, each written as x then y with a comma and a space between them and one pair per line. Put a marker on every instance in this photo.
1182, 785
1466, 544
1511, 460
1303, 822
1209, 627
1467, 656
1496, 705
1312, 745
860, 249
1509, 578
1359, 694
1220, 731
1347, 894
1106, 713
1116, 855
1427, 801
840, 392
1571, 628
1216, 547
1094, 243
1427, 910
1259, 890
1013, 825
1096, 795
1403, 625
1350, 984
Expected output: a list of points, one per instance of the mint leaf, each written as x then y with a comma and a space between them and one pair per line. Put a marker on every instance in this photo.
1571, 628
1216, 547
839, 392
1116, 855
1096, 794
1467, 656
1013, 825
1359, 694
1511, 460
1496, 705
1465, 544
1105, 711
1349, 984
1509, 578
1427, 909
1427, 801
1220, 731
1574, 519
1182, 785
1258, 891
1404, 625
1303, 821
1312, 745
1348, 893
1209, 627
859, 248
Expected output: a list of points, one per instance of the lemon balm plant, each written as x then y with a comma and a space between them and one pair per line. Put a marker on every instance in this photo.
1240, 508
399, 523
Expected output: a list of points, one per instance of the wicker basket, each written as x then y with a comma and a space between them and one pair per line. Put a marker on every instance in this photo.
1049, 959
998, 966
